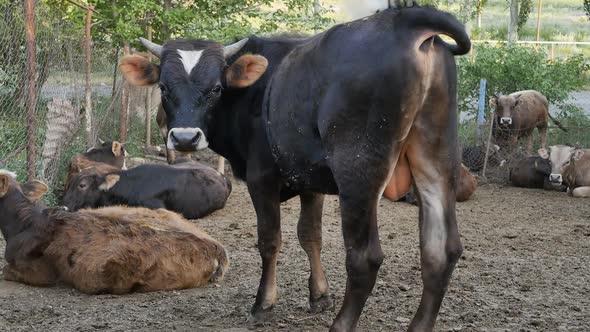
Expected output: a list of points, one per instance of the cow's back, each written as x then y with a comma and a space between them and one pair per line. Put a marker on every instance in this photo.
121, 249
577, 173
532, 109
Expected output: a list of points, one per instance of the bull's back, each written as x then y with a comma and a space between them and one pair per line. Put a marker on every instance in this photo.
326, 95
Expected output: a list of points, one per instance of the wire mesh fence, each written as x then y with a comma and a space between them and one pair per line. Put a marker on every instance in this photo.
60, 109
492, 156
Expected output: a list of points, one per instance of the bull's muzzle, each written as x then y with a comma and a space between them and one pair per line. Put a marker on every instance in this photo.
555, 178
186, 139
505, 120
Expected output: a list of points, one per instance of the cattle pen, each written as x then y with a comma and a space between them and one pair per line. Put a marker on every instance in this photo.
525, 263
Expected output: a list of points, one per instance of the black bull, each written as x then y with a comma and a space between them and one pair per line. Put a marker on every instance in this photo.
330, 114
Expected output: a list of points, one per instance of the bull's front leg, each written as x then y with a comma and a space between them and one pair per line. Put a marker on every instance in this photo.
265, 193
309, 232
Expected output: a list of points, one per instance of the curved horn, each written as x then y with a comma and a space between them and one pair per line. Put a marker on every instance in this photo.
232, 49
152, 47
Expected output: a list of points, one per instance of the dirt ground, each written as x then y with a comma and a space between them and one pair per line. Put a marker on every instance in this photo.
525, 268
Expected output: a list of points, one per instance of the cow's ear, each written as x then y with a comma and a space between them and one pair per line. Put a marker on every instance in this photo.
578, 154
117, 149
109, 182
493, 101
4, 184
245, 71
33, 190
139, 71
543, 153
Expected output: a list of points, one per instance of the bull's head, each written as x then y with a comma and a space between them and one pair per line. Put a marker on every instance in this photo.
559, 157
192, 76
504, 106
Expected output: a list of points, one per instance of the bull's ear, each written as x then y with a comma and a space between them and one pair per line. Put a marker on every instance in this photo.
4, 184
493, 101
109, 181
577, 155
543, 153
35, 189
117, 149
138, 70
245, 71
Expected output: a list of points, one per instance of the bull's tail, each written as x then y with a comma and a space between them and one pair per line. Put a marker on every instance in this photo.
430, 22
557, 123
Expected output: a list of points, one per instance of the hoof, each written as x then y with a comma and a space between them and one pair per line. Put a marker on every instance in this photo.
258, 314
322, 304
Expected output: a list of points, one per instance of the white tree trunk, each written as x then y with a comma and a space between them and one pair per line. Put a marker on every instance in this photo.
513, 24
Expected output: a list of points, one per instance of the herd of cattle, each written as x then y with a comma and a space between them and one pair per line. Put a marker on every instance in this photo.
364, 110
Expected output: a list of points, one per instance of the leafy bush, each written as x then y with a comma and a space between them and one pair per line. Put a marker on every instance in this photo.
509, 69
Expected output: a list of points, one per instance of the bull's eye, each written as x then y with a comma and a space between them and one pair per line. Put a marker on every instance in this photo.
217, 89
163, 89
82, 186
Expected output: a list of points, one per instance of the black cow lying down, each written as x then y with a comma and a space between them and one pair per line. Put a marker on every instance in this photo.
329, 114
192, 189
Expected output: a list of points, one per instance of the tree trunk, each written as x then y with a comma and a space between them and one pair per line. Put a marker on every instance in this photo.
165, 31
513, 24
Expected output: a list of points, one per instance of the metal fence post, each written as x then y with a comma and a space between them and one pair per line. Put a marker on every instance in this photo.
88, 108
29, 8
481, 107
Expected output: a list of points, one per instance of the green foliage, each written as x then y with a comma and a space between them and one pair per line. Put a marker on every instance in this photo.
524, 10
587, 7
222, 20
513, 68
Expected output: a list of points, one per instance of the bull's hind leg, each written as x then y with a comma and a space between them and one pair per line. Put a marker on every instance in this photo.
434, 167
309, 232
361, 183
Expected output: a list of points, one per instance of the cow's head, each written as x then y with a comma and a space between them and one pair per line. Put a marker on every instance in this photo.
503, 106
112, 153
559, 157
88, 187
192, 76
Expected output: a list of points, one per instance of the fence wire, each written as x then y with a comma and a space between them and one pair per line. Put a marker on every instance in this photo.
60, 108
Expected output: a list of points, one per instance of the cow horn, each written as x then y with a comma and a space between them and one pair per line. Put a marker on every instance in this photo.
232, 49
152, 47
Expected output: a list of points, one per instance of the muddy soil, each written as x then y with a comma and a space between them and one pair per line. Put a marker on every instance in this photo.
526, 267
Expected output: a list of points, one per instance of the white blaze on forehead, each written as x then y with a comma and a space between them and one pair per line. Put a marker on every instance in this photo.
9, 173
189, 59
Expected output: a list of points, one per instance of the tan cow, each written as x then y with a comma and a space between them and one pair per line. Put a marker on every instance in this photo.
517, 115
110, 250
570, 166
576, 175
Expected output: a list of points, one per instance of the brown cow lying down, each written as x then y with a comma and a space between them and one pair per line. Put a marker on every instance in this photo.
111, 153
192, 189
571, 167
110, 250
465, 187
